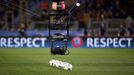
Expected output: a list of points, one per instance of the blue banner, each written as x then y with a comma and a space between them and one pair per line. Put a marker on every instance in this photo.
73, 42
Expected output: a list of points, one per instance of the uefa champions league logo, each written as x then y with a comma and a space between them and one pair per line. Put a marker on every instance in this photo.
77, 42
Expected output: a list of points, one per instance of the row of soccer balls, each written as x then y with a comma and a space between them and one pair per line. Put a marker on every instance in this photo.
60, 64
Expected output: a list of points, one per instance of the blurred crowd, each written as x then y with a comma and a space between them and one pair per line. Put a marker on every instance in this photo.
110, 8
107, 9
95, 9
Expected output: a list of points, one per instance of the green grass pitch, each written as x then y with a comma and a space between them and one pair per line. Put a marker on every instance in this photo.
34, 61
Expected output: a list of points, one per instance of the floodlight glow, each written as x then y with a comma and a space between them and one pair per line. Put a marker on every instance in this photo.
77, 4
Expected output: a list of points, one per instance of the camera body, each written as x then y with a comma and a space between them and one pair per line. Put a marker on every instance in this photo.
59, 50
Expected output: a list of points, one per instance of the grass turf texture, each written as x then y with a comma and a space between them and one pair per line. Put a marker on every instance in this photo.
34, 61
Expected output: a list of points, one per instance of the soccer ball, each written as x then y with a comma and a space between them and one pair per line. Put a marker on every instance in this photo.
51, 62
60, 64
67, 66
57, 63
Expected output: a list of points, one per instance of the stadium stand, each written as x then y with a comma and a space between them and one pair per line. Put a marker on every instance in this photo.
112, 14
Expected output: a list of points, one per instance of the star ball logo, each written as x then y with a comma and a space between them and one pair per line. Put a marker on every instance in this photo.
77, 42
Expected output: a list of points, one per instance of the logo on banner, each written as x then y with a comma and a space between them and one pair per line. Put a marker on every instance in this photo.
77, 42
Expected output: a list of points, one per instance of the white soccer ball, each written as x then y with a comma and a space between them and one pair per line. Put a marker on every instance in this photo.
64, 65
57, 63
60, 64
51, 62
69, 66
